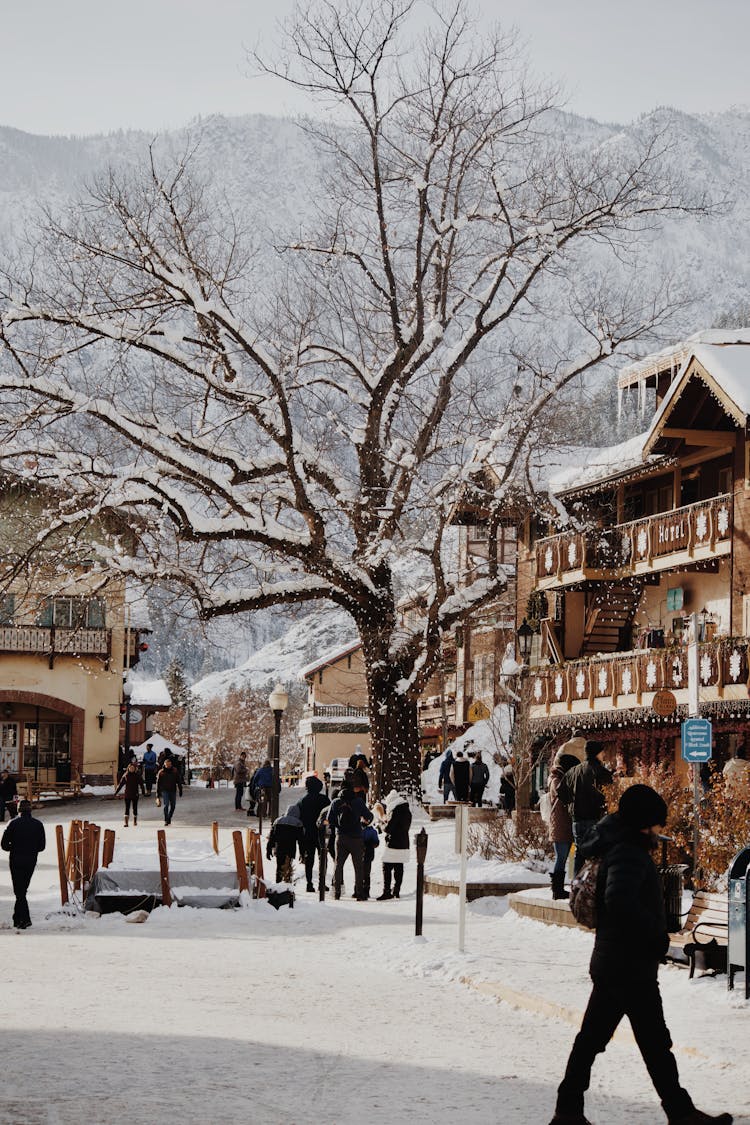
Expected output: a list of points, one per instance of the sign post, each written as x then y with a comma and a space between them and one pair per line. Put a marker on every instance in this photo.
696, 732
462, 814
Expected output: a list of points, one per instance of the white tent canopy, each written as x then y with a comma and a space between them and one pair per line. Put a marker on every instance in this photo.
158, 743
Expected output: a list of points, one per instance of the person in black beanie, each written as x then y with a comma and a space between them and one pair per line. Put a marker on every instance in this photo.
631, 941
24, 838
581, 791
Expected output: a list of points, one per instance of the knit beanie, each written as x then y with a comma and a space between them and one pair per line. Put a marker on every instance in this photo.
593, 748
641, 807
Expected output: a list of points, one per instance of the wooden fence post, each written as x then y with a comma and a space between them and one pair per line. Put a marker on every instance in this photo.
61, 864
95, 837
239, 857
260, 886
108, 851
166, 895
249, 846
215, 836
71, 848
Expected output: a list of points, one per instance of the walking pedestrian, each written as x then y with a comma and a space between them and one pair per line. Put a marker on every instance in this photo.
261, 786
24, 838
480, 775
560, 825
445, 780
396, 851
286, 836
581, 790
240, 779
346, 817
631, 941
310, 808
461, 776
149, 768
8, 795
132, 782
168, 785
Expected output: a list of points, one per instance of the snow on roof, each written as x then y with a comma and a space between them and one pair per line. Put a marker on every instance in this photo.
675, 355
591, 464
729, 367
331, 657
150, 693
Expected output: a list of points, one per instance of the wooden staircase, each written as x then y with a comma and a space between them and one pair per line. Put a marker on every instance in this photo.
611, 611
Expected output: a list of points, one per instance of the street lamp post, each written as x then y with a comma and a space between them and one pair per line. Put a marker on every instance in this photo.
127, 692
277, 701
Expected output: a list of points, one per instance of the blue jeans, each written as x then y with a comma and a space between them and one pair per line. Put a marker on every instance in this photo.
562, 851
449, 790
582, 829
168, 800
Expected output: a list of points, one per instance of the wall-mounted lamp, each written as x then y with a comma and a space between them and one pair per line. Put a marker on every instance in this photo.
100, 720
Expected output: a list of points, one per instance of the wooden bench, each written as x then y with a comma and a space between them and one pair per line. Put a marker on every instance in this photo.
36, 789
703, 940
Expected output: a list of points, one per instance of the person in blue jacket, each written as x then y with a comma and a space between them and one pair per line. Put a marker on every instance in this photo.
149, 768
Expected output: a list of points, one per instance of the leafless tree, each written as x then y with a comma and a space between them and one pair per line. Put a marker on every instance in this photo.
306, 434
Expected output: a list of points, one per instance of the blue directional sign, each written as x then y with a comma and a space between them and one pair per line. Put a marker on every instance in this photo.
696, 740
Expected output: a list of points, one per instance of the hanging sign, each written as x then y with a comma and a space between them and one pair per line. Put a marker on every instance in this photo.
664, 703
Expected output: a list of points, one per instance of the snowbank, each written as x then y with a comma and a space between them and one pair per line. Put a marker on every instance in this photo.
491, 736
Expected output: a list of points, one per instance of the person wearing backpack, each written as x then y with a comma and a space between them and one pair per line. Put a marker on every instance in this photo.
286, 836
461, 776
480, 775
346, 816
631, 941
581, 791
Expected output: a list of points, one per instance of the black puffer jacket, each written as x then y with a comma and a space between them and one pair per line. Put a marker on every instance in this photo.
631, 931
583, 784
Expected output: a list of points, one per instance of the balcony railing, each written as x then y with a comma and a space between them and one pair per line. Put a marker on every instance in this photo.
337, 711
622, 679
634, 547
54, 641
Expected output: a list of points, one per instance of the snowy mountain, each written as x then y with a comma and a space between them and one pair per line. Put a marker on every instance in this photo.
270, 174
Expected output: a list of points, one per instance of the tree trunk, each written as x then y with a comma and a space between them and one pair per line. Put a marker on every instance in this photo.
394, 729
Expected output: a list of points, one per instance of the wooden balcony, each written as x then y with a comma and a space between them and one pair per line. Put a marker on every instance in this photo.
337, 711
53, 641
624, 680
677, 538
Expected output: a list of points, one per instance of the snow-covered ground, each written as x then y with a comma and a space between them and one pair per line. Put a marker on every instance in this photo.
328, 1011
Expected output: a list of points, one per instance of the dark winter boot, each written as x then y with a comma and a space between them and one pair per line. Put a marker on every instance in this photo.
558, 885
126, 822
398, 878
135, 820
569, 1119
698, 1117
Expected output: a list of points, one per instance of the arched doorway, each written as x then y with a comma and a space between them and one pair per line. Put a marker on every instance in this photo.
40, 735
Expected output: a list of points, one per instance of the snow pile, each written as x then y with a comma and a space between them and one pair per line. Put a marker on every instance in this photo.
491, 736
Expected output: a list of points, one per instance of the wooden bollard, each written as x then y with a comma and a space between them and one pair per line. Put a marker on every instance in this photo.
60, 836
108, 851
70, 854
215, 836
95, 838
166, 894
249, 835
239, 857
260, 886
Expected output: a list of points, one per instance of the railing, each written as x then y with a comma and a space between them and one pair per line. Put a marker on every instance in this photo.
621, 548
338, 711
54, 640
721, 664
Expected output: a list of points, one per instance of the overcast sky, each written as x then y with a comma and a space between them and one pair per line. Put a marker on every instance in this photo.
84, 66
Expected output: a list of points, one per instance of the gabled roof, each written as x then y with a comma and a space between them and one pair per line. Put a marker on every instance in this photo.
152, 694
331, 657
724, 369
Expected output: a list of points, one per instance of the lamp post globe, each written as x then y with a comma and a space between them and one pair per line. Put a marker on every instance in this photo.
277, 701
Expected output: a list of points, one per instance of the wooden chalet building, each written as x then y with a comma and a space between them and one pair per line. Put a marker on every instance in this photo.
335, 720
660, 530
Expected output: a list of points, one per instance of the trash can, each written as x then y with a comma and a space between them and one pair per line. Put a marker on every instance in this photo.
738, 953
672, 881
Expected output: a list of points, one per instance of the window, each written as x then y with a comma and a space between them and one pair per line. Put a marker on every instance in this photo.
73, 613
9, 747
7, 608
45, 746
484, 676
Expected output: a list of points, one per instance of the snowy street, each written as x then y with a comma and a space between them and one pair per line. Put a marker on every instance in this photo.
331, 1012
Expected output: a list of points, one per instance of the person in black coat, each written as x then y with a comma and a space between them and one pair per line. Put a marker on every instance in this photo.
310, 808
8, 795
480, 775
24, 838
461, 776
285, 837
631, 941
581, 791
